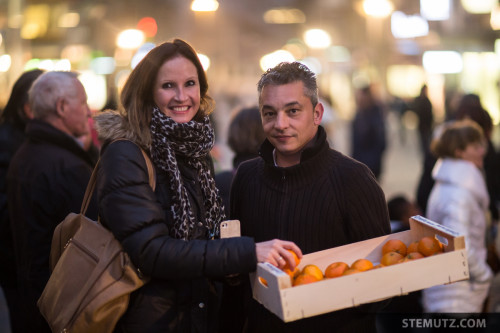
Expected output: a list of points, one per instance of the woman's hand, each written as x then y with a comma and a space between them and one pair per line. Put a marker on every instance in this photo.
276, 253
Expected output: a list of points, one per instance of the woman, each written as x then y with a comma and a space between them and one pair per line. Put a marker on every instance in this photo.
459, 200
13, 121
169, 233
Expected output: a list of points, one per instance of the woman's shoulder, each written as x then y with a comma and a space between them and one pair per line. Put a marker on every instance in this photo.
122, 159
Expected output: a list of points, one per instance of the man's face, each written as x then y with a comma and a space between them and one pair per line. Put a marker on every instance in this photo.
289, 120
76, 112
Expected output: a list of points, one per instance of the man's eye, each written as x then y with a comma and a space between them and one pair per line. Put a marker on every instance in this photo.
293, 111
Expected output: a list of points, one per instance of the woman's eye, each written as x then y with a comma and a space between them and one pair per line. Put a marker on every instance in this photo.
191, 83
166, 85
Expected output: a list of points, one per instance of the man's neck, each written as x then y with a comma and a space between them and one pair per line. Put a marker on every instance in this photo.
285, 161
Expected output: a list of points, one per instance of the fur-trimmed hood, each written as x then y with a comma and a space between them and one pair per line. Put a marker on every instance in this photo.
111, 125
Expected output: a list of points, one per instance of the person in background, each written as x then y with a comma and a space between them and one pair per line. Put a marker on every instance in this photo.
400, 211
469, 108
302, 190
368, 131
46, 181
459, 200
245, 135
423, 108
171, 234
13, 121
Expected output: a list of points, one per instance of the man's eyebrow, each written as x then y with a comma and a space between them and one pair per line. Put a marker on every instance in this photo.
266, 106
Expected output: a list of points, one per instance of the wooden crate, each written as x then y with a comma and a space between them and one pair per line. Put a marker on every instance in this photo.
329, 295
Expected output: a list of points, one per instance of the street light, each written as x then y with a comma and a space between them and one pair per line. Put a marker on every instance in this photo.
378, 8
204, 5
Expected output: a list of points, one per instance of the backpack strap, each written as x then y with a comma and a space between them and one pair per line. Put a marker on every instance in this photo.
93, 178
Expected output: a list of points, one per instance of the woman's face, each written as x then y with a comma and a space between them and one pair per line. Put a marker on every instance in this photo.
177, 89
473, 152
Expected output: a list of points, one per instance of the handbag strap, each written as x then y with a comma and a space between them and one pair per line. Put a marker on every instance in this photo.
93, 178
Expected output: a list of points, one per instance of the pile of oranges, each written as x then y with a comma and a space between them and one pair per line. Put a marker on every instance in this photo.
394, 251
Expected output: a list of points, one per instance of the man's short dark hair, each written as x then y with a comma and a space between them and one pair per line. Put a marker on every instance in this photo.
289, 72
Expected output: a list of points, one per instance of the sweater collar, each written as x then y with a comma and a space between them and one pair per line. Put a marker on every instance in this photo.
311, 149
314, 162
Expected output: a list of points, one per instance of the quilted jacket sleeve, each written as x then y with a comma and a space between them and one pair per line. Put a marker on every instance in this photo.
129, 208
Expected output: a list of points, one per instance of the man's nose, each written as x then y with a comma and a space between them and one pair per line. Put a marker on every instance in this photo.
281, 120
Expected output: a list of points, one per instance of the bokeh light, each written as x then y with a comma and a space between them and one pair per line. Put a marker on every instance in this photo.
148, 26
272, 59
130, 39
317, 38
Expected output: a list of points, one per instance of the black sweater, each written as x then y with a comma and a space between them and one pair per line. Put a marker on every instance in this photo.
327, 200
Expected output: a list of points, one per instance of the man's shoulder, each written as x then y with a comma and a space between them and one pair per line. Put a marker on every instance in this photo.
250, 165
340, 160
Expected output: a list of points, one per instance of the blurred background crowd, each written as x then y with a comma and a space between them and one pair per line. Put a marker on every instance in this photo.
395, 47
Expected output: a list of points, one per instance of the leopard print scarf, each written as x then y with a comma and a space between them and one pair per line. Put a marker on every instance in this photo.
193, 140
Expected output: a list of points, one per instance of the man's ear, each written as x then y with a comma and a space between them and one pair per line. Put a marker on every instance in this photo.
318, 113
60, 106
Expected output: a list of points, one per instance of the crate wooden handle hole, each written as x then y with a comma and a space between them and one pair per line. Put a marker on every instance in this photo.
263, 282
442, 240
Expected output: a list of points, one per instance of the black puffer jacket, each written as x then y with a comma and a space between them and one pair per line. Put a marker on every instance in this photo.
181, 297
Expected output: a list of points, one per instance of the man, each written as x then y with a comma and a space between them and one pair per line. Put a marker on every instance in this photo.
305, 192
46, 180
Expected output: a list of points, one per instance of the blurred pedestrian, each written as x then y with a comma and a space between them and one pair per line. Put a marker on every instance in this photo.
469, 108
170, 233
245, 135
369, 131
459, 200
46, 180
400, 210
422, 107
13, 121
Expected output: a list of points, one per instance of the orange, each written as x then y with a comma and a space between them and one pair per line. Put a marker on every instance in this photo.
391, 258
296, 270
413, 247
335, 269
362, 265
304, 279
291, 273
429, 246
378, 266
351, 271
297, 260
263, 281
414, 255
394, 245
313, 270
